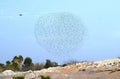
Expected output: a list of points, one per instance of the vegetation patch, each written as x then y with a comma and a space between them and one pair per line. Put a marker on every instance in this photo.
45, 77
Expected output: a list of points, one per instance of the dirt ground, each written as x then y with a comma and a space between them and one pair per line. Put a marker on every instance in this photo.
86, 75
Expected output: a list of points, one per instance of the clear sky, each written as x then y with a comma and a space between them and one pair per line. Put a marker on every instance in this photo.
100, 17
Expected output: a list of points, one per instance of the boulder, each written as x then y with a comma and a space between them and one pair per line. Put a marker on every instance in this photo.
30, 75
8, 72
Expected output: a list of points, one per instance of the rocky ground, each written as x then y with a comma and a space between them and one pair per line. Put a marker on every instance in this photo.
107, 69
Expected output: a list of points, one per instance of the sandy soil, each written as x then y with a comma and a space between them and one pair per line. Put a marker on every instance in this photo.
86, 75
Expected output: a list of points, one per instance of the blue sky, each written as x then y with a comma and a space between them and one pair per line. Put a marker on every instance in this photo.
100, 17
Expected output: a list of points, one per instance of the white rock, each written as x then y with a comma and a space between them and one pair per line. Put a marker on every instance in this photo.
8, 73
30, 75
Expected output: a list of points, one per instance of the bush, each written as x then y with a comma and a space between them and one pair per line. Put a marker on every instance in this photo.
18, 77
64, 65
43, 77
50, 64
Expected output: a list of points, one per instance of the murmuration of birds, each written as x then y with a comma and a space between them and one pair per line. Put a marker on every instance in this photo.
60, 32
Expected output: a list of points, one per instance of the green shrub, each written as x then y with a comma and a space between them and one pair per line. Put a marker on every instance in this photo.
64, 65
49, 63
18, 77
43, 77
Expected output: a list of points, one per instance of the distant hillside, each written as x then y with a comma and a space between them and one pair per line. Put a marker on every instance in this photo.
86, 70
105, 65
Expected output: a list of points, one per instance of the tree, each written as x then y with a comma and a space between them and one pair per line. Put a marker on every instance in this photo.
1, 67
27, 63
50, 64
20, 62
17, 62
15, 66
8, 63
